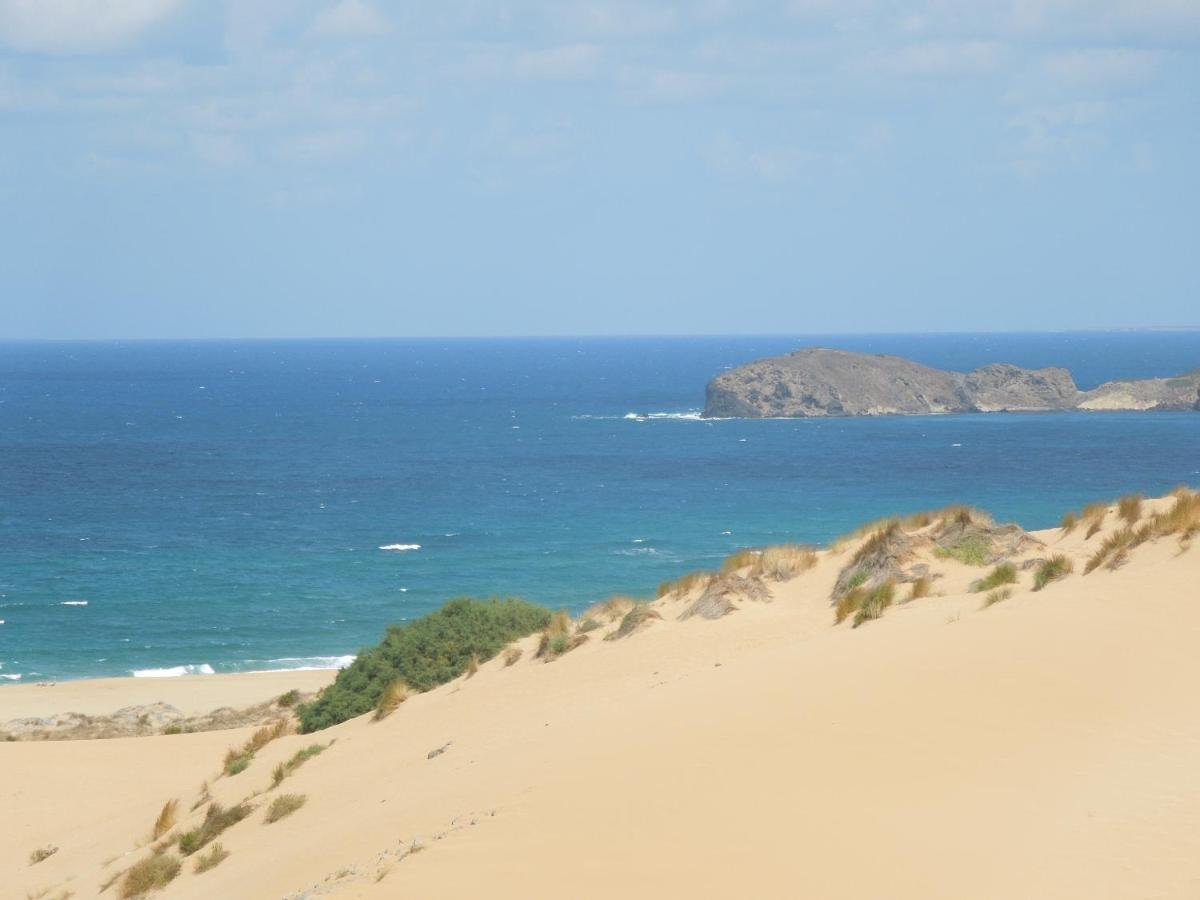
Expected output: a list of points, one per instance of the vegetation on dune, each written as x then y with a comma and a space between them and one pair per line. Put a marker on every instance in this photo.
42, 853
216, 820
1053, 569
288, 700
684, 584
922, 587
740, 560
996, 596
1129, 508
1069, 522
784, 561
166, 819
557, 637
640, 615
874, 603
425, 653
151, 874
283, 805
299, 758
391, 698
214, 857
973, 550
512, 655
1093, 516
1005, 573
238, 759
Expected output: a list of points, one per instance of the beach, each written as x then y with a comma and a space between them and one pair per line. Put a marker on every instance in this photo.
1040, 746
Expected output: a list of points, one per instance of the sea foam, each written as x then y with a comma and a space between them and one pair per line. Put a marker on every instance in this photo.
300, 663
401, 548
174, 671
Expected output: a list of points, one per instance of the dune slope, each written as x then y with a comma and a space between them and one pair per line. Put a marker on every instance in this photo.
1043, 746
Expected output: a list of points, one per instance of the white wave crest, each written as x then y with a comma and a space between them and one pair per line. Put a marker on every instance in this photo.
16, 677
174, 671
74, 603
400, 548
301, 663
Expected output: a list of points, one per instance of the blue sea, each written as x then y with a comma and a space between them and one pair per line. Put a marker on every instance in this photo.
220, 506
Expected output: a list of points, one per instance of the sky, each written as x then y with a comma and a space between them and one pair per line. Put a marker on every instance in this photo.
330, 168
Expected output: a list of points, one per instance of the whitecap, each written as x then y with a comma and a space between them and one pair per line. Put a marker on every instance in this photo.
174, 671
300, 663
400, 548
74, 603
16, 677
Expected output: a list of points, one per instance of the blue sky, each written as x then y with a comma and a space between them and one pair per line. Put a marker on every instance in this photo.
228, 168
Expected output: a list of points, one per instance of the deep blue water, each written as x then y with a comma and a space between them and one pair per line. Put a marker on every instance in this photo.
223, 503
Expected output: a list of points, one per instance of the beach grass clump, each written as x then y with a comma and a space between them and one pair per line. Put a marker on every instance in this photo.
217, 819
150, 874
1069, 523
556, 636
641, 615
848, 604
1129, 508
972, 550
685, 584
742, 559
389, 701
1005, 573
473, 666
1182, 518
996, 596
299, 758
783, 562
426, 652
1093, 516
288, 700
282, 806
1114, 549
167, 817
214, 857
512, 655
1054, 569
874, 602
922, 587
41, 854
609, 610
237, 760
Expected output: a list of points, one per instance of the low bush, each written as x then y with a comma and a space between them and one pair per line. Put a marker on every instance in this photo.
151, 874
283, 805
426, 652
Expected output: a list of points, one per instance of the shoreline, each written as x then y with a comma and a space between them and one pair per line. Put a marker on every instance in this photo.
190, 694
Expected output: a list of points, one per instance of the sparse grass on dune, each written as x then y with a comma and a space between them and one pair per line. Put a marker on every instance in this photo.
151, 874
299, 758
389, 701
282, 806
604, 612
1005, 573
972, 551
1069, 523
216, 820
42, 853
556, 636
1113, 547
512, 655
922, 587
877, 541
784, 561
166, 819
874, 602
237, 760
472, 666
1182, 519
1129, 508
1054, 569
642, 614
997, 596
1093, 516
214, 857
685, 584
742, 559
288, 700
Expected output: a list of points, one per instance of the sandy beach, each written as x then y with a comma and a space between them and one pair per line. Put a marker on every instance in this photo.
1044, 746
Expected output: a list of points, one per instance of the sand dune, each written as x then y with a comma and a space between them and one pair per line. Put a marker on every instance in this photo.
1043, 747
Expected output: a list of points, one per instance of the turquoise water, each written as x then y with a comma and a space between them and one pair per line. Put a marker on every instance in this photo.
221, 505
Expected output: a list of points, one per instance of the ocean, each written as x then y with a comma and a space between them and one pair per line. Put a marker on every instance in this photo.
171, 507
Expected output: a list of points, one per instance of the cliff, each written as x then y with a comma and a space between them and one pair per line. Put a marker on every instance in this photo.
819, 382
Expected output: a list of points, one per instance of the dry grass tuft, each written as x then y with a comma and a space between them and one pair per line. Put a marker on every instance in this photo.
1129, 508
288, 700
556, 637
299, 758
473, 665
1069, 523
743, 559
1093, 516
1182, 519
609, 610
512, 655
784, 561
389, 701
920, 588
1055, 568
42, 853
996, 596
151, 874
166, 819
874, 603
1116, 544
283, 805
1005, 573
685, 584
214, 857
216, 820
238, 760
203, 798
641, 615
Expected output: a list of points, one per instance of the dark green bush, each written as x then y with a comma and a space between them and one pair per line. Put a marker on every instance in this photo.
426, 652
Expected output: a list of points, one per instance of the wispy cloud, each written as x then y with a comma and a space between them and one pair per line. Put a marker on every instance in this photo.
79, 26
351, 19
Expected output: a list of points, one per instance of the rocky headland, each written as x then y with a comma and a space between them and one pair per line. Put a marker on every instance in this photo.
818, 382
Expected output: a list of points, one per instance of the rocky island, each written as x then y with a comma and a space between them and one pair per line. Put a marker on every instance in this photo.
817, 382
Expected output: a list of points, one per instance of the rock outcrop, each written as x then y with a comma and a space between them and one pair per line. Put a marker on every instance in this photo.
819, 382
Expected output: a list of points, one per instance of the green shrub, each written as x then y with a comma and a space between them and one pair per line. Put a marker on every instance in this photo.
973, 550
426, 652
1005, 573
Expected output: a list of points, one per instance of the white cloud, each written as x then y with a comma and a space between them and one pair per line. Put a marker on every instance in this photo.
351, 19
78, 26
942, 58
1102, 66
